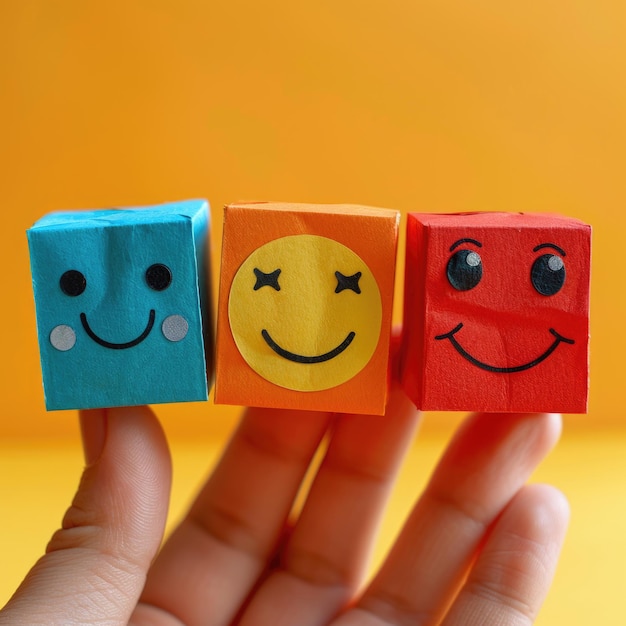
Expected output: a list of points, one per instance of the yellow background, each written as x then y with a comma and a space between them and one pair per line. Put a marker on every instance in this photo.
423, 105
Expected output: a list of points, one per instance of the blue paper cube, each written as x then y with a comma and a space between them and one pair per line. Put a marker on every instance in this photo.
122, 299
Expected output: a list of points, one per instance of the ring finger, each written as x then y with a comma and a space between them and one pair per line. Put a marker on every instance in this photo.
488, 461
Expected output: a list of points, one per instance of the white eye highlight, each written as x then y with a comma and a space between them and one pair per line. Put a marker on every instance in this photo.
473, 259
555, 263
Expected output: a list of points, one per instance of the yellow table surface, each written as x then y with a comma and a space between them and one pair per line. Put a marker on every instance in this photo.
38, 479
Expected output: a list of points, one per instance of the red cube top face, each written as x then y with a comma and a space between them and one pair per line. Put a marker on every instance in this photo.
497, 312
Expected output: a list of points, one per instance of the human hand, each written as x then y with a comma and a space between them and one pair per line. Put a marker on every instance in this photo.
479, 547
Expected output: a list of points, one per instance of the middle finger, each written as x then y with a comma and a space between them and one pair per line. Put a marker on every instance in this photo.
327, 553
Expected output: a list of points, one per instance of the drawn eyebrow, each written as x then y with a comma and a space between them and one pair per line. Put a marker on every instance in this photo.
550, 245
465, 240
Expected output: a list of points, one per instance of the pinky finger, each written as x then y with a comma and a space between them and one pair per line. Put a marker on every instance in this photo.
513, 571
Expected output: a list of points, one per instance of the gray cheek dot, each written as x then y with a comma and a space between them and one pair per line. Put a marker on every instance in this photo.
63, 337
175, 327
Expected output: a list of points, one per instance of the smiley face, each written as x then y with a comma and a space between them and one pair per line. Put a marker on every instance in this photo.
73, 283
547, 275
305, 312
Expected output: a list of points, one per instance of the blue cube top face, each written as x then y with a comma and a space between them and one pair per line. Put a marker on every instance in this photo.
121, 299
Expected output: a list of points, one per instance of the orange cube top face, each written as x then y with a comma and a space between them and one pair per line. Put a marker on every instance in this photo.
496, 312
305, 305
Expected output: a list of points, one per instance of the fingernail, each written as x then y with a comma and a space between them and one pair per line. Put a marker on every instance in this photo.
93, 430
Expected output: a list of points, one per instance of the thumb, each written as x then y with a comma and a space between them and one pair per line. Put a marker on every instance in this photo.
95, 566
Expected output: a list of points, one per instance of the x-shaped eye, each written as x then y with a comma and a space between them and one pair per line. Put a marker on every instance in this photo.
348, 282
266, 280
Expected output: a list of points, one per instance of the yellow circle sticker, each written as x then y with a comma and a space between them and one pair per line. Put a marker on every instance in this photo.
305, 312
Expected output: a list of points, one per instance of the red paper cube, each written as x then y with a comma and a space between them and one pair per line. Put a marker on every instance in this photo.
496, 312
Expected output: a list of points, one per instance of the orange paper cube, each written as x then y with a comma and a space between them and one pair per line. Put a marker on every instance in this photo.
305, 303
496, 312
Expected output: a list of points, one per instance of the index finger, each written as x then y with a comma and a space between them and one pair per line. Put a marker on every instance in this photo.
224, 543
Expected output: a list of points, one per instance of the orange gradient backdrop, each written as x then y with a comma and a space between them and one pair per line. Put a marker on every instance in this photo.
419, 106
428, 106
